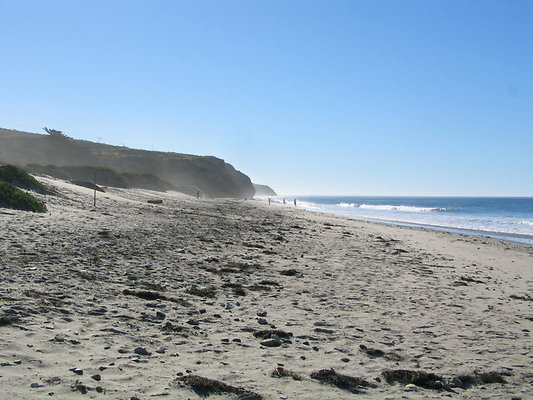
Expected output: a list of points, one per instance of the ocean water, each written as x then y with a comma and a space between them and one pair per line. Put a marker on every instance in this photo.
501, 217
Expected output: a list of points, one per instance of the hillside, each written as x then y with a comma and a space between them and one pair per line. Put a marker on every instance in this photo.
264, 191
212, 176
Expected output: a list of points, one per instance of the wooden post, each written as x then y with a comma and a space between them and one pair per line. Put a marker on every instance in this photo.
94, 199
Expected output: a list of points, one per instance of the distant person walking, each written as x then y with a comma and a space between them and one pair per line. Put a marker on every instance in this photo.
197, 194
294, 202
284, 201
269, 201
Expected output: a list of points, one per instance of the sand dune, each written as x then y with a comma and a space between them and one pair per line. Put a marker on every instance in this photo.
136, 300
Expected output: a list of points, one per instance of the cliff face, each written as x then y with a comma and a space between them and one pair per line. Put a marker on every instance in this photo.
187, 173
264, 191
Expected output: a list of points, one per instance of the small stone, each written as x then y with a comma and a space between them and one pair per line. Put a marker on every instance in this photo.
77, 371
99, 389
274, 341
102, 368
97, 377
410, 388
345, 359
160, 315
35, 385
262, 314
18, 362
262, 321
161, 350
141, 351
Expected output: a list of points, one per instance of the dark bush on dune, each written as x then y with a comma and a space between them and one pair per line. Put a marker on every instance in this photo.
19, 177
12, 197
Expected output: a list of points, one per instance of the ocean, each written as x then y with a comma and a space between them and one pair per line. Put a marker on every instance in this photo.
509, 218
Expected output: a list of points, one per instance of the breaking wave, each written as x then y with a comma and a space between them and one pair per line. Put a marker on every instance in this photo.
386, 207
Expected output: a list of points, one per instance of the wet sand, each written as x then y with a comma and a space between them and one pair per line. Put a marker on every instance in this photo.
131, 299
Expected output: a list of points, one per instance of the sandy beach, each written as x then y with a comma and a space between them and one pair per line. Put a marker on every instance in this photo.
133, 300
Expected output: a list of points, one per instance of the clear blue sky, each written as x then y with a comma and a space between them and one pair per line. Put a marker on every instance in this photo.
311, 97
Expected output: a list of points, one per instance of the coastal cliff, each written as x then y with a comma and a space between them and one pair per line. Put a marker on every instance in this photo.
263, 190
212, 176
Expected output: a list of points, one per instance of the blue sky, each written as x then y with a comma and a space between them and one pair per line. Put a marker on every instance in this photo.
311, 97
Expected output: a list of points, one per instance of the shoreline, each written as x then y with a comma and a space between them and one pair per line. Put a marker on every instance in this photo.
507, 236
215, 272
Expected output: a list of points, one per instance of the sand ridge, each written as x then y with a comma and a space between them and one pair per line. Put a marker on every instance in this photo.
124, 300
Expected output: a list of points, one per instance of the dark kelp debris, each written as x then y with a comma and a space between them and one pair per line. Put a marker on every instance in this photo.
152, 295
281, 372
290, 272
268, 333
430, 380
423, 379
479, 378
204, 387
374, 353
346, 382
9, 320
208, 292
145, 294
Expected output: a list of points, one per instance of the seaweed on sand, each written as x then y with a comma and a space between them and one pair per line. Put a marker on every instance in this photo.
205, 387
430, 380
268, 333
479, 378
423, 379
209, 292
238, 289
374, 353
267, 282
144, 294
281, 372
351, 383
170, 327
153, 295
290, 272
6, 320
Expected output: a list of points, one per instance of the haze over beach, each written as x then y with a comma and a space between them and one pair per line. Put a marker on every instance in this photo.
266, 199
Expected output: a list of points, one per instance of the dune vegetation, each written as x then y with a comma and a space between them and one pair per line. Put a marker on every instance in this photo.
13, 197
11, 178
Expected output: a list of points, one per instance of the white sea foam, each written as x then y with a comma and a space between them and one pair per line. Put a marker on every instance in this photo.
525, 222
348, 205
387, 207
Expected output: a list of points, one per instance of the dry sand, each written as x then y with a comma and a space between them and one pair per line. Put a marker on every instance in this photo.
442, 303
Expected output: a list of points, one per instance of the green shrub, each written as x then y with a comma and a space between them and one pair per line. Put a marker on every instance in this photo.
13, 197
18, 177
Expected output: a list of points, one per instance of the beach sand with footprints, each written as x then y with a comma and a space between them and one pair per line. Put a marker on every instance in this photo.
238, 299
